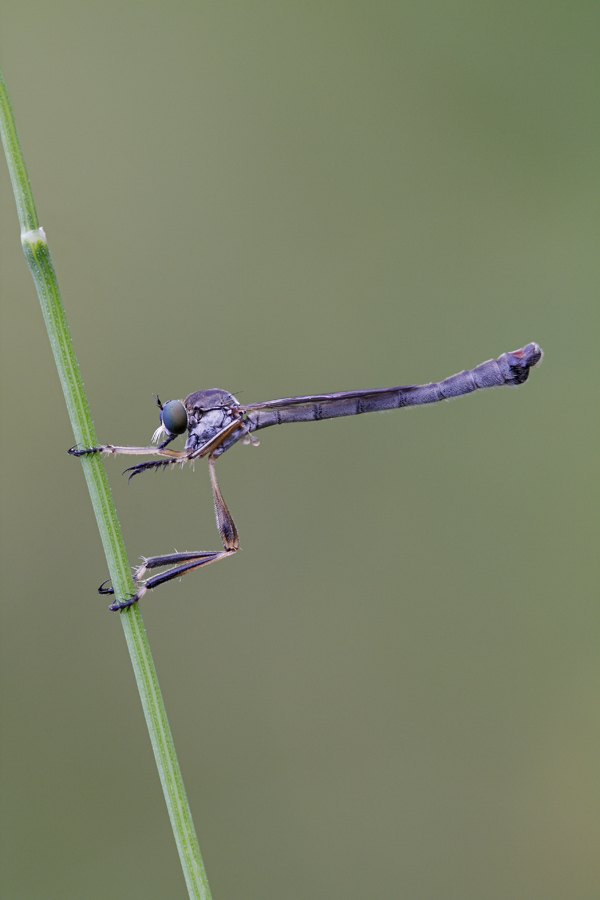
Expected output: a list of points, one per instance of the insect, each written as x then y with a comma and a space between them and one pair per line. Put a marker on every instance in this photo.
215, 421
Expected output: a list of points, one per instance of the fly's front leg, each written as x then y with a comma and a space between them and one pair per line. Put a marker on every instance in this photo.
182, 563
133, 451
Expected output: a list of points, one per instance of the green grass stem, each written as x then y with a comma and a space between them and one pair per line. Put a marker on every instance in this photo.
38, 258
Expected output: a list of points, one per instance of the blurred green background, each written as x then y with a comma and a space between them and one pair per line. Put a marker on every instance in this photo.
393, 691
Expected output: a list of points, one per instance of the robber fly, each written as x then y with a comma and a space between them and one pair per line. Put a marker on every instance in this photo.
215, 421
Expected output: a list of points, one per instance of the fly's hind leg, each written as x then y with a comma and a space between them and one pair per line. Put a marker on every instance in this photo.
225, 523
182, 563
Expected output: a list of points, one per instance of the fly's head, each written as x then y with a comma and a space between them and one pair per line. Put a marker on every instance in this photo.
173, 421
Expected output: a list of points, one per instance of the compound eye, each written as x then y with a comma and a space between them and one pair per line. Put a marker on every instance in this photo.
174, 417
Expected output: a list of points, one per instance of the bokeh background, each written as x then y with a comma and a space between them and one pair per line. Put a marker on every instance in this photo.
393, 691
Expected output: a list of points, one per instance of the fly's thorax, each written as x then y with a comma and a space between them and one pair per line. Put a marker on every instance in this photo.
209, 411
210, 398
